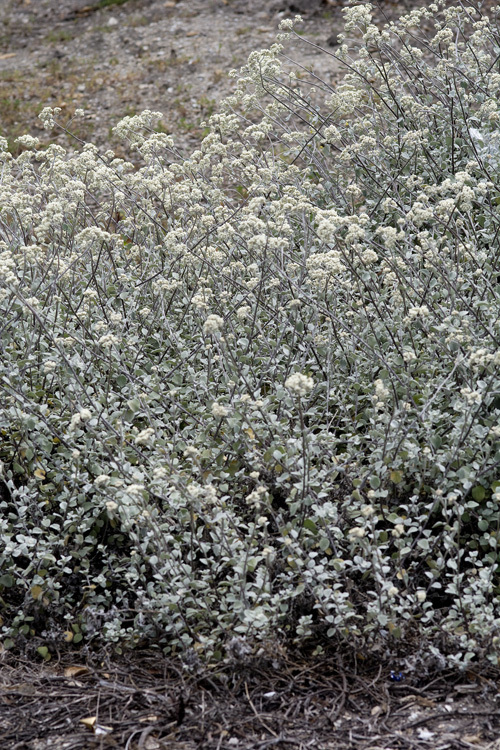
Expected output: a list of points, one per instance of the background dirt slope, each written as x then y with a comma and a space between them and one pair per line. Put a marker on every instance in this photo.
117, 57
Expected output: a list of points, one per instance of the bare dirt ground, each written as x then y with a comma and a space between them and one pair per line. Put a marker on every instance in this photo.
115, 58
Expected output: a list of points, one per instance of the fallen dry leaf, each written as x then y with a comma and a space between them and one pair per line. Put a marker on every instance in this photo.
75, 671
22, 688
473, 739
89, 722
426, 702
36, 592
419, 700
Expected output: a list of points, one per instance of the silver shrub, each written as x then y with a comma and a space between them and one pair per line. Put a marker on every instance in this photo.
254, 393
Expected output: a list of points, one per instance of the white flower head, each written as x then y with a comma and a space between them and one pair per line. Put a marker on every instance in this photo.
357, 532
47, 116
381, 392
134, 489
218, 410
299, 384
213, 324
243, 312
418, 312
256, 496
108, 340
49, 366
144, 436
102, 479
75, 421
201, 299
28, 141
471, 397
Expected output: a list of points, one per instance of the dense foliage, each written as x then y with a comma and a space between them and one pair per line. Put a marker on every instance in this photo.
256, 392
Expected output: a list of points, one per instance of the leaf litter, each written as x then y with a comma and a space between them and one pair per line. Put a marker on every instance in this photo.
273, 699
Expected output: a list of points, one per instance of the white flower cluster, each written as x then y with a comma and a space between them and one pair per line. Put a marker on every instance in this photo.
482, 358
7, 266
357, 532
144, 436
369, 257
134, 489
321, 266
299, 384
390, 236
84, 415
381, 394
416, 312
206, 492
243, 312
48, 115
108, 340
202, 298
360, 15
256, 497
28, 141
49, 366
102, 480
219, 411
472, 397
131, 127
212, 325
